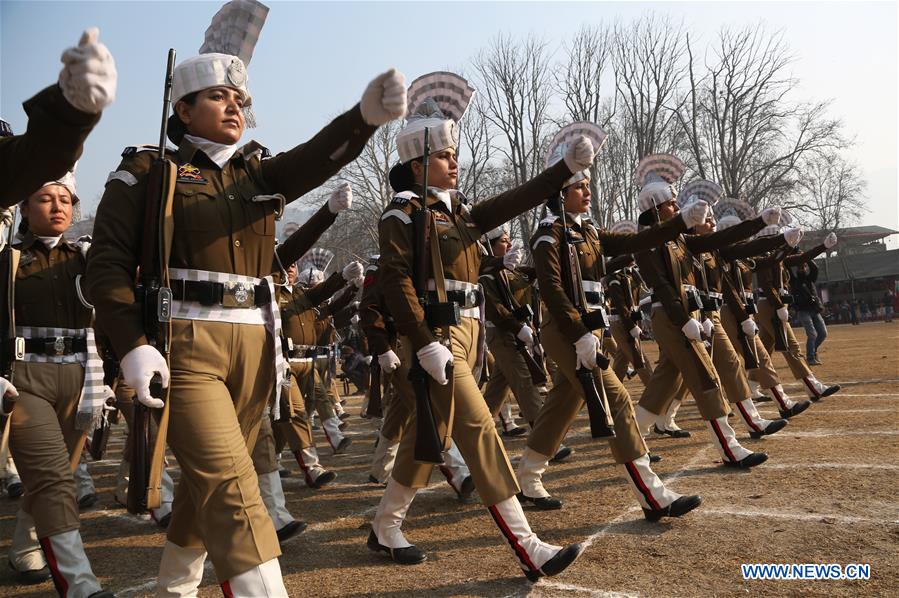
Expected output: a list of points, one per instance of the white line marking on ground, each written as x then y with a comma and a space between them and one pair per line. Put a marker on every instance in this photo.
567, 587
822, 517
147, 585
830, 433
866, 466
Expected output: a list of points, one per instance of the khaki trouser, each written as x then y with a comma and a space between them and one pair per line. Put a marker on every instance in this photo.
397, 406
264, 450
473, 429
622, 357
509, 371
676, 363
566, 398
727, 363
42, 440
220, 384
793, 355
765, 375
294, 427
316, 393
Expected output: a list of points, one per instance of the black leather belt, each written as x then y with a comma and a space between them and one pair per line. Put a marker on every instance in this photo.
465, 299
594, 297
230, 294
56, 346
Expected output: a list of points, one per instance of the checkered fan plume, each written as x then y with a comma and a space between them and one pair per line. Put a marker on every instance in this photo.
624, 226
317, 259
665, 166
559, 145
730, 206
235, 29
449, 91
700, 189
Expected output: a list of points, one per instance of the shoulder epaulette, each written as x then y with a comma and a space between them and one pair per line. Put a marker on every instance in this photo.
254, 147
548, 221
136, 149
404, 197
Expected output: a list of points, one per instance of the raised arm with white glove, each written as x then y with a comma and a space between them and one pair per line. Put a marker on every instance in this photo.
388, 361
579, 155
792, 236
771, 216
526, 335
586, 348
352, 271
341, 198
692, 329
139, 366
434, 358
695, 214
88, 77
750, 328
384, 99
513, 257
830, 240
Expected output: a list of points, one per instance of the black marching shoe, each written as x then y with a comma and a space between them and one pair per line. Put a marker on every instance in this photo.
290, 530
558, 563
653, 458
796, 409
681, 506
773, 428
466, 490
323, 480
373, 480
672, 433
283, 472
561, 454
165, 521
750, 460
15, 490
516, 431
87, 501
410, 555
102, 594
542, 503
343, 446
31, 577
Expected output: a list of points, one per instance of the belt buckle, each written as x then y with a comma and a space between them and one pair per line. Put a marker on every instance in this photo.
55, 347
238, 294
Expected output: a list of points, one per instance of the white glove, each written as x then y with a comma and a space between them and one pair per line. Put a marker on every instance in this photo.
384, 99
783, 313
635, 332
367, 360
433, 358
352, 271
586, 348
526, 335
88, 79
692, 330
771, 216
355, 320
749, 327
138, 368
830, 240
579, 155
707, 328
8, 394
341, 198
792, 236
513, 257
696, 213
388, 361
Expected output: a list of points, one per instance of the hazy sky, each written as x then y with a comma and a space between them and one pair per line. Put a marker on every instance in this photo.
315, 58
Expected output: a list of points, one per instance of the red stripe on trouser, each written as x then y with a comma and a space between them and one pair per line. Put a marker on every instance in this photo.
327, 437
811, 388
722, 441
779, 398
448, 474
226, 590
641, 486
748, 419
62, 586
299, 457
517, 548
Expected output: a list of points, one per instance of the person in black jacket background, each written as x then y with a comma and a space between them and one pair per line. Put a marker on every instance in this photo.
808, 309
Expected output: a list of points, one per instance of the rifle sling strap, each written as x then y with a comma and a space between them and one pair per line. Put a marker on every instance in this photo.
440, 287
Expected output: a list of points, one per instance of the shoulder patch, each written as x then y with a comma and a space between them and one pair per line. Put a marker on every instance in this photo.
544, 239
122, 175
404, 197
135, 149
548, 221
253, 148
396, 213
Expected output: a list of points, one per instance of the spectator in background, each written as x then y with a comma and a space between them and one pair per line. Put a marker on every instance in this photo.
888, 306
808, 309
866, 311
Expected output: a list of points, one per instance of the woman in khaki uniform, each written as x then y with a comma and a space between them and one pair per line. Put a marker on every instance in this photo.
59, 380
458, 405
572, 345
223, 321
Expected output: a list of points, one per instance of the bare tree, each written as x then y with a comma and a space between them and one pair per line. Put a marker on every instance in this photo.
743, 128
476, 152
831, 193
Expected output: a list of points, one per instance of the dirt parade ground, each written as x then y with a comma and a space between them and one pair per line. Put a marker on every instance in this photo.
827, 495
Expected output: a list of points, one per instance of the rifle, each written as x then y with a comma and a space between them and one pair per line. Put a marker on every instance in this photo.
428, 446
522, 313
635, 318
374, 408
155, 298
601, 422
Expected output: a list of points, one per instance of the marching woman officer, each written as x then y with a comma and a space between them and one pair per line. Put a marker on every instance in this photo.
456, 230
570, 344
224, 208
60, 383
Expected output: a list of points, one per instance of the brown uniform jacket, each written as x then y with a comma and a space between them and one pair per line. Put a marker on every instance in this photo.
459, 231
591, 252
623, 292
45, 285
738, 274
49, 147
218, 226
298, 309
376, 324
773, 277
666, 269
520, 284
